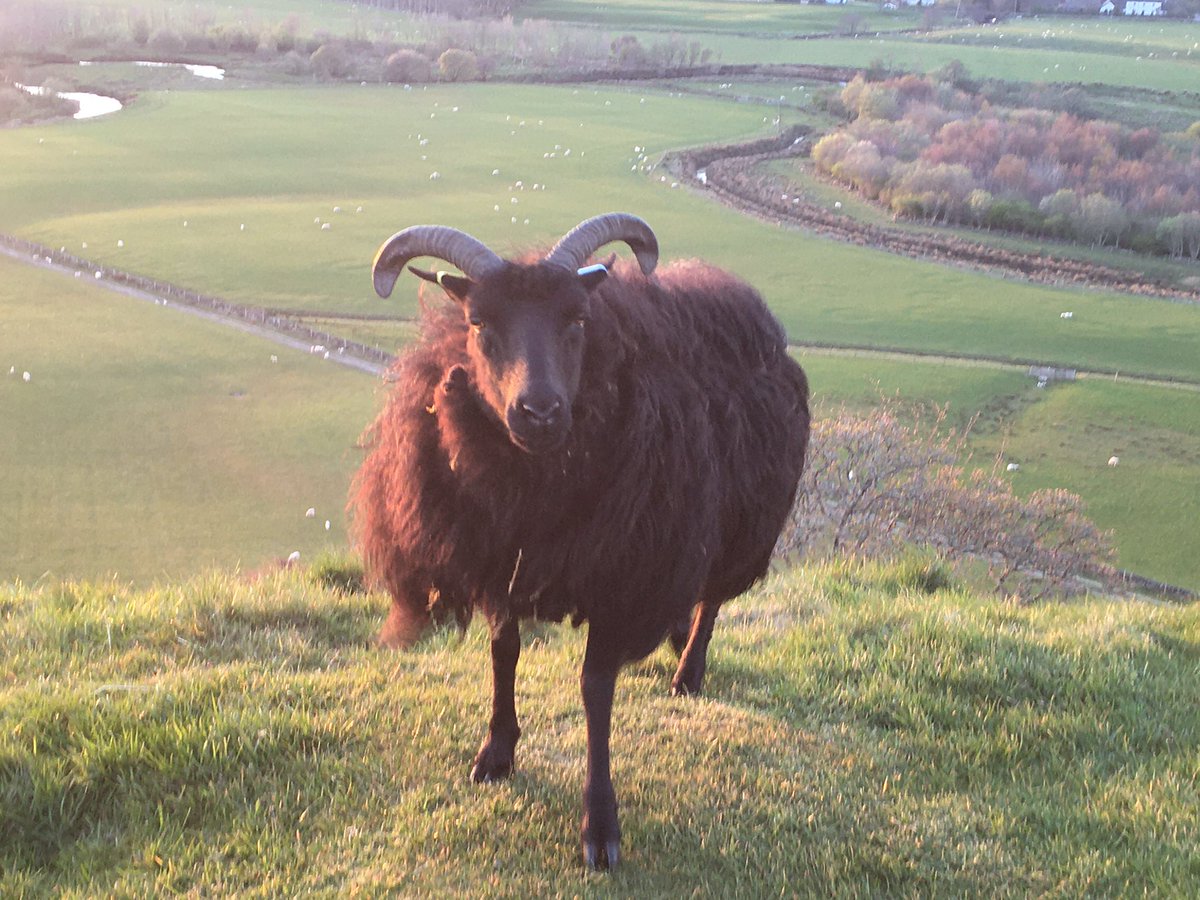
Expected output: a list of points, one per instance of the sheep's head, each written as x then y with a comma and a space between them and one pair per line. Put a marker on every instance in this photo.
527, 322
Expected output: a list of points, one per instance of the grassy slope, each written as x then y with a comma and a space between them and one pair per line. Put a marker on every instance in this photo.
858, 738
151, 443
1061, 438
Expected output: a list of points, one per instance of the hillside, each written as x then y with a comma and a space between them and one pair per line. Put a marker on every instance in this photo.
862, 734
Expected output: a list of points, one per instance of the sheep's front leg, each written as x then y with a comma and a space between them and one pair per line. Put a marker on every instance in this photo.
601, 831
495, 758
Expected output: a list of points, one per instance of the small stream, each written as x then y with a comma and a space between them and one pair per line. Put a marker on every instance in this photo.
93, 105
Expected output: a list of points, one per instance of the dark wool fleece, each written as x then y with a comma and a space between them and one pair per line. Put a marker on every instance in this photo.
689, 435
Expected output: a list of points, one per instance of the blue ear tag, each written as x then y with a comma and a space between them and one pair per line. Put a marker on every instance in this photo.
586, 270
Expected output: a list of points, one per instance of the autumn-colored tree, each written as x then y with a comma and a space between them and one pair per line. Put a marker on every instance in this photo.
458, 65
923, 146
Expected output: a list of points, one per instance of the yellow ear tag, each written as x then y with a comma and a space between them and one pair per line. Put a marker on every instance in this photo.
440, 276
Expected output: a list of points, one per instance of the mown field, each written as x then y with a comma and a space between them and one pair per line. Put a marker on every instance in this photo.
150, 444
859, 736
146, 205
719, 16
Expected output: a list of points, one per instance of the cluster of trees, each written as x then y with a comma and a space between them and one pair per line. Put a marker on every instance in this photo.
875, 485
930, 150
457, 9
462, 40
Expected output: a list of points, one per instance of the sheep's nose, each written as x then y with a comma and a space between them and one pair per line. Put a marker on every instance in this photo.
540, 411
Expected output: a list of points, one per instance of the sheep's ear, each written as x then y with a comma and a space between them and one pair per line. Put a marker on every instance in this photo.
455, 285
591, 276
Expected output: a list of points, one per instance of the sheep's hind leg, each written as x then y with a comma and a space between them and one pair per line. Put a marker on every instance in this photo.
678, 635
689, 677
495, 758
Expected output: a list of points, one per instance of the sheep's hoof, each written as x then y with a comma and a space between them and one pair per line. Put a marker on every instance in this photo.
493, 763
682, 689
601, 858
687, 681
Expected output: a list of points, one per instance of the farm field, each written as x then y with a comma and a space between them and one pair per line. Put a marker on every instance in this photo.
864, 731
137, 190
150, 444
719, 16
246, 229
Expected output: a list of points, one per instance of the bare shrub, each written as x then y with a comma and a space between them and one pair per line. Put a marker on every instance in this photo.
330, 60
407, 67
877, 484
166, 42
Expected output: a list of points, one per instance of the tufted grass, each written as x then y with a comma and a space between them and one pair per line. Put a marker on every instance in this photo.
865, 731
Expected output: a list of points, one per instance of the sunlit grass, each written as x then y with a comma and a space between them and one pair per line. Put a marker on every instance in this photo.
859, 734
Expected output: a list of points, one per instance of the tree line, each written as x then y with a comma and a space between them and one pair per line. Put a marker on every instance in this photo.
931, 151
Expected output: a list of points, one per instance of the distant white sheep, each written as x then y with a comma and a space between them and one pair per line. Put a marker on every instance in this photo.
1014, 467
1114, 461
1066, 315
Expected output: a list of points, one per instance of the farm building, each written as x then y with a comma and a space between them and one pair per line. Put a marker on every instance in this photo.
1143, 8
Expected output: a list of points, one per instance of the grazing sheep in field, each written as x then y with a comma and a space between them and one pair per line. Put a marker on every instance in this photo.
1114, 461
583, 442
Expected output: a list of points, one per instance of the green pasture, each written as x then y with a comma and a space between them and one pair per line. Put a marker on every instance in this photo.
864, 732
306, 16
252, 190
152, 444
1065, 439
719, 16
1003, 60
1172, 39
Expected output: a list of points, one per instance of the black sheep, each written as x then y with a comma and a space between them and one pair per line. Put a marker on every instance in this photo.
615, 448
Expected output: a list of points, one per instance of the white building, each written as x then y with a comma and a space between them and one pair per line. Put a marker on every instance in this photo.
1143, 7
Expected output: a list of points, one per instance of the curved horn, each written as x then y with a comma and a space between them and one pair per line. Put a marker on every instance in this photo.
439, 241
590, 235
